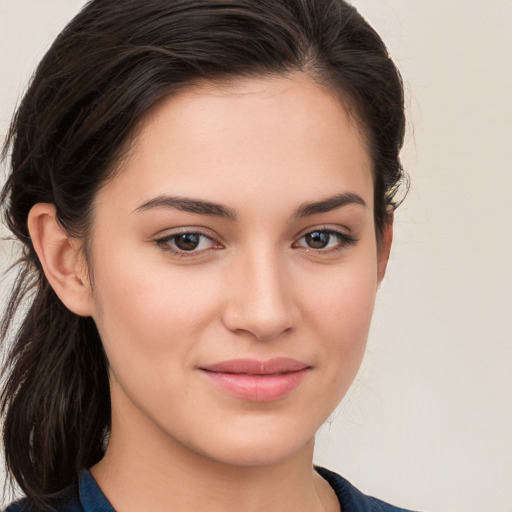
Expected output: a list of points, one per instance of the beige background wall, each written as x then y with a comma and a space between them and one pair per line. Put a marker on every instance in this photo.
428, 422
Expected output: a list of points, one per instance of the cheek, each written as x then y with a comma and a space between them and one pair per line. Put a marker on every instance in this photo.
148, 328
343, 305
148, 310
341, 316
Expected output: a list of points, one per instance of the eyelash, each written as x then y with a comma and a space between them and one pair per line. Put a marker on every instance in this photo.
344, 240
165, 244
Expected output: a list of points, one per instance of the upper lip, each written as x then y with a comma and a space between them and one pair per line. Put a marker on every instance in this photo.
255, 367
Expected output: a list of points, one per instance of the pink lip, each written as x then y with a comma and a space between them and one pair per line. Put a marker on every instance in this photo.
259, 381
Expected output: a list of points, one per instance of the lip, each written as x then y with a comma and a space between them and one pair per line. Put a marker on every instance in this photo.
257, 381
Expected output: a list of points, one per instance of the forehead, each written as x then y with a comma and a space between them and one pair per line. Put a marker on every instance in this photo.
235, 138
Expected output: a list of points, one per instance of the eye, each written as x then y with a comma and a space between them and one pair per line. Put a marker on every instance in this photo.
325, 240
188, 242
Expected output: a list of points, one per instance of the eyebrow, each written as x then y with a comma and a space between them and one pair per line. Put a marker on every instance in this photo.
201, 207
189, 205
328, 204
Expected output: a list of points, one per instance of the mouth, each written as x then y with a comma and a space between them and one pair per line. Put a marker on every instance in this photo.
258, 381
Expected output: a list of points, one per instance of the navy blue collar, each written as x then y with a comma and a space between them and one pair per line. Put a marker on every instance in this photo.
351, 499
92, 498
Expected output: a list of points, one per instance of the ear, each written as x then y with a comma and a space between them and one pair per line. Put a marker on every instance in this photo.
60, 258
383, 249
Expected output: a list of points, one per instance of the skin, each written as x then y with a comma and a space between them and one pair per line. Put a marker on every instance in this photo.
253, 288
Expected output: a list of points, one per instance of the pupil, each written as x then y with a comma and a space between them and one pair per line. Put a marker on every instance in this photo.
317, 239
187, 241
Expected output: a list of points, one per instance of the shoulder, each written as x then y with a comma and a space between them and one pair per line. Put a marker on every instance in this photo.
66, 501
353, 500
24, 506
85, 495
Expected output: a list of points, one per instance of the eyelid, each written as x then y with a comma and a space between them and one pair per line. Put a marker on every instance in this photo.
187, 228
336, 228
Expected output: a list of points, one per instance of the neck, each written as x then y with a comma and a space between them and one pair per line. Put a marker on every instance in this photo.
157, 475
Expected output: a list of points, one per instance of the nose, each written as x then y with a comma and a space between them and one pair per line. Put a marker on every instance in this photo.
261, 299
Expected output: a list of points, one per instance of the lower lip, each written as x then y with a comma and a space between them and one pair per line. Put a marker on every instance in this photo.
256, 388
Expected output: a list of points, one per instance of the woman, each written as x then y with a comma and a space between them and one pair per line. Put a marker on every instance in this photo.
204, 191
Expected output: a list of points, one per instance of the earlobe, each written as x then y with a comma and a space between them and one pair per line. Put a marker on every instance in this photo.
384, 249
60, 259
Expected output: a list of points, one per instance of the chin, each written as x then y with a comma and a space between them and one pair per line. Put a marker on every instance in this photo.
264, 448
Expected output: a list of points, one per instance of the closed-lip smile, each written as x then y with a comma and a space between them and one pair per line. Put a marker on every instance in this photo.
255, 380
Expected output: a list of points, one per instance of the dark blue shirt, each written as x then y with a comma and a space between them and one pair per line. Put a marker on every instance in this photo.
86, 496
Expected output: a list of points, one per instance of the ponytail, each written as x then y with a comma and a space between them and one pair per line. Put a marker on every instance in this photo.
56, 400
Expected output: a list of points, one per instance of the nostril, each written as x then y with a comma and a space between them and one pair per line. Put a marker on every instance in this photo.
260, 324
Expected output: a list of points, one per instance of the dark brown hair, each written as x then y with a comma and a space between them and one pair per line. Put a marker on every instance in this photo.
112, 63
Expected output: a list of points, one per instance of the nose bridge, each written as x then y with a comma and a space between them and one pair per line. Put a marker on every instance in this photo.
261, 302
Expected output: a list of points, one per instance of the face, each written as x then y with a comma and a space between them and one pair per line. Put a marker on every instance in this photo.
235, 270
